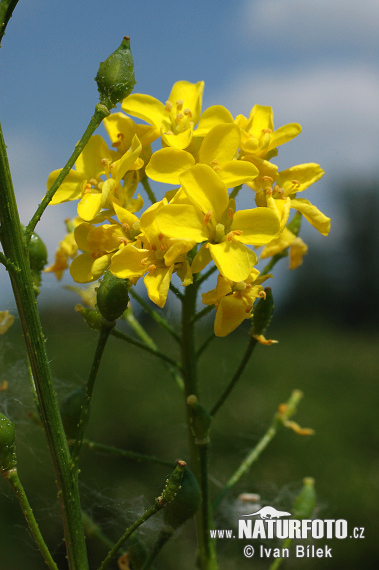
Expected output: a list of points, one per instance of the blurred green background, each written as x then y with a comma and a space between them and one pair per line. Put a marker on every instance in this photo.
326, 325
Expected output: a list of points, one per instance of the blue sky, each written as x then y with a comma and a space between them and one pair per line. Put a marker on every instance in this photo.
315, 63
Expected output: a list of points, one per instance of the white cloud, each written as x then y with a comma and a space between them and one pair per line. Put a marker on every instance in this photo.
336, 106
324, 22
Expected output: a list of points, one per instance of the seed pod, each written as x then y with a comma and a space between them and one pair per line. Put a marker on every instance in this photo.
70, 411
186, 502
112, 296
115, 77
7, 445
263, 313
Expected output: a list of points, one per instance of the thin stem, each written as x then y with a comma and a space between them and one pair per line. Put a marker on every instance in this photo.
13, 479
203, 313
112, 553
155, 315
155, 351
111, 449
236, 377
15, 248
235, 191
141, 332
8, 264
100, 113
92, 530
146, 184
275, 258
84, 413
199, 457
207, 341
6, 11
280, 417
206, 275
176, 292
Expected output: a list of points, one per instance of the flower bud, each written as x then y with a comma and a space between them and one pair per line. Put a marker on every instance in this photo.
305, 501
200, 421
186, 502
115, 77
7, 445
112, 296
263, 313
37, 259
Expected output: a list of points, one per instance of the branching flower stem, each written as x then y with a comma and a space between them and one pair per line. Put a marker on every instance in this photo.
278, 420
84, 414
199, 453
15, 249
246, 357
155, 315
101, 112
13, 479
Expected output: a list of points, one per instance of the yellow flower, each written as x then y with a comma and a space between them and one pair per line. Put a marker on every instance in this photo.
258, 135
210, 217
234, 301
85, 183
99, 244
174, 121
66, 250
218, 149
154, 256
280, 195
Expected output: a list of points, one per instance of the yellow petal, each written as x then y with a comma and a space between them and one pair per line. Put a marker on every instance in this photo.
220, 144
284, 134
260, 118
6, 321
259, 226
85, 268
147, 108
89, 206
285, 239
232, 259
316, 218
90, 160
157, 283
237, 172
205, 189
168, 163
181, 140
262, 340
126, 263
201, 259
70, 189
182, 221
298, 178
191, 94
212, 116
297, 252
230, 314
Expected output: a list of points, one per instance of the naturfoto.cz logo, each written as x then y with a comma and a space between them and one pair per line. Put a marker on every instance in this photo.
269, 523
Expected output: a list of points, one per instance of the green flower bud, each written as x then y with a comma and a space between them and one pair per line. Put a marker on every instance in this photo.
37, 253
186, 502
115, 78
263, 313
305, 501
200, 421
7, 445
112, 296
70, 411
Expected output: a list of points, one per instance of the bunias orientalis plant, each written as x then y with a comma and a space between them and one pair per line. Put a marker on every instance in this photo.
120, 237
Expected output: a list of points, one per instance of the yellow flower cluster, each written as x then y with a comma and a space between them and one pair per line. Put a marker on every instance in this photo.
203, 154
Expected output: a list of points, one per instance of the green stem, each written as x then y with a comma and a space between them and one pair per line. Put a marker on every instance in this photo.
100, 113
146, 184
199, 453
236, 377
111, 449
207, 274
9, 266
146, 338
203, 313
235, 191
92, 530
15, 248
112, 553
13, 479
279, 418
84, 413
154, 315
275, 258
207, 341
6, 11
155, 351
